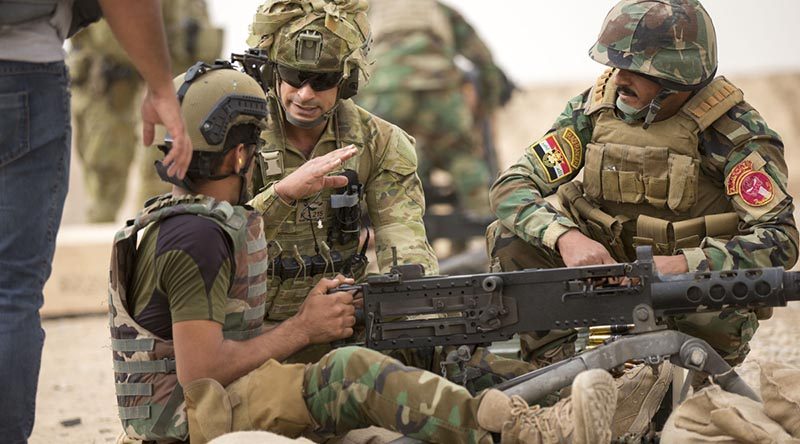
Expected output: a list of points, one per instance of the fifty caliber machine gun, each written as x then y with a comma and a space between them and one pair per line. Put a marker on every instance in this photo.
404, 309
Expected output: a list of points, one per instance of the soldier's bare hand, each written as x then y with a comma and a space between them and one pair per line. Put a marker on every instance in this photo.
671, 264
577, 250
325, 317
312, 176
162, 107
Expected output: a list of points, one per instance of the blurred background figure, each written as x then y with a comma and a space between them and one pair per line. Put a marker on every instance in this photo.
105, 97
434, 77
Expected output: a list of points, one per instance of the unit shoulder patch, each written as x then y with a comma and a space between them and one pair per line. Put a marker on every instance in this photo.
756, 188
753, 162
575, 145
551, 157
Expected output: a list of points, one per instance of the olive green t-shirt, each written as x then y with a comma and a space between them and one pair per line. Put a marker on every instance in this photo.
184, 268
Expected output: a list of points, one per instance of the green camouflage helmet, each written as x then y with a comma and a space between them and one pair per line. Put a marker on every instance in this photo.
671, 41
313, 35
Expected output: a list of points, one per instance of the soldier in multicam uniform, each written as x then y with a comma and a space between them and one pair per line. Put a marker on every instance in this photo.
317, 53
105, 90
416, 84
191, 356
672, 157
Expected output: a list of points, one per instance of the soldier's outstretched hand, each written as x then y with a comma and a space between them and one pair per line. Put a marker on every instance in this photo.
326, 317
163, 108
313, 176
578, 249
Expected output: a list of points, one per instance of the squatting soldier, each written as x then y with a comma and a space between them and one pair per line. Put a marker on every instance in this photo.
105, 91
317, 52
672, 157
191, 358
416, 84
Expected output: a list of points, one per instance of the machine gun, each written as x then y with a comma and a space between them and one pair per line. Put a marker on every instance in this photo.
404, 309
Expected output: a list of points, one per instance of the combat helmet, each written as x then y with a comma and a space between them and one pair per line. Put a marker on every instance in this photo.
314, 37
671, 42
214, 99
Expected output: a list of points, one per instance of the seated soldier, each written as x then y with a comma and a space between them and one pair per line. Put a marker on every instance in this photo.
191, 358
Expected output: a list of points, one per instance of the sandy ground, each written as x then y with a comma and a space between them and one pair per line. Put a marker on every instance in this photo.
76, 401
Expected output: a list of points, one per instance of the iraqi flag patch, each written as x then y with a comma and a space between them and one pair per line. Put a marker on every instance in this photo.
552, 158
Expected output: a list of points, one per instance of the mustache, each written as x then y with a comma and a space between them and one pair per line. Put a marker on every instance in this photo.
307, 104
627, 91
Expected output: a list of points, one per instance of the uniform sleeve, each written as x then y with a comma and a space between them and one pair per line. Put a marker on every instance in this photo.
755, 175
396, 205
273, 209
193, 268
517, 196
470, 45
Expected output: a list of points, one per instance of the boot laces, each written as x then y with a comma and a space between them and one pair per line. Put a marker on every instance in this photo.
551, 422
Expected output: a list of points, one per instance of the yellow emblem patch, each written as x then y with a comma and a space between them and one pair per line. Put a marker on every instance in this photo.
575, 145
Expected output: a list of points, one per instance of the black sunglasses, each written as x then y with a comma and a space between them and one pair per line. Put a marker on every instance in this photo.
319, 81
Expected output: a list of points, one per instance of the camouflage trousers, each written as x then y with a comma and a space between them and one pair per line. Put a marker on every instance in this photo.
106, 126
442, 125
349, 388
729, 331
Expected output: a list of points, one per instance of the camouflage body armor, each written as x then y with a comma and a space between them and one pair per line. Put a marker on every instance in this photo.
647, 183
151, 402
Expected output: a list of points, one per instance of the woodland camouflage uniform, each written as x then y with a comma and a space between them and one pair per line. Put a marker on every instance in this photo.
105, 97
416, 84
708, 182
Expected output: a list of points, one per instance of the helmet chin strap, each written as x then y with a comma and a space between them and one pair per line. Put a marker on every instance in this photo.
655, 106
647, 112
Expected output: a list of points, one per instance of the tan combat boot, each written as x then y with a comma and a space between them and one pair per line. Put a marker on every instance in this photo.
583, 418
639, 394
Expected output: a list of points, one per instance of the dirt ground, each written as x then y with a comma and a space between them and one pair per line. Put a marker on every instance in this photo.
76, 399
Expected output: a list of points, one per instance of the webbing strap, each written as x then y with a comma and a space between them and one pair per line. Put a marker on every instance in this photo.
137, 412
134, 389
255, 313
165, 418
133, 345
241, 335
160, 366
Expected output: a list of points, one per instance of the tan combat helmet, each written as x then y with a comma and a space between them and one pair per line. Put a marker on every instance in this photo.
214, 99
310, 38
671, 42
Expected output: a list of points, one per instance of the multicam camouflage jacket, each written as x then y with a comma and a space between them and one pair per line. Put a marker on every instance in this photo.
150, 400
307, 240
414, 51
716, 155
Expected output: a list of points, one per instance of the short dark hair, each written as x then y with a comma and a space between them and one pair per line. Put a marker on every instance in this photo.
245, 133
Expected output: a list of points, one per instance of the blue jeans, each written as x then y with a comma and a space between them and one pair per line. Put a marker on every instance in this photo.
34, 169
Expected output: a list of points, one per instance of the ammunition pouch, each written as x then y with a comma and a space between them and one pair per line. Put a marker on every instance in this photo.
667, 237
592, 221
290, 280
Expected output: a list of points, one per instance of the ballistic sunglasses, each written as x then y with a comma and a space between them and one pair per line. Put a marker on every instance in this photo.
319, 81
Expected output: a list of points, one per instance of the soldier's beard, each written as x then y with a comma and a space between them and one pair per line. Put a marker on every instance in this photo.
629, 113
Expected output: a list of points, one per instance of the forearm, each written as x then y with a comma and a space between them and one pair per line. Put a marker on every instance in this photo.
411, 249
774, 246
230, 360
520, 207
140, 31
397, 220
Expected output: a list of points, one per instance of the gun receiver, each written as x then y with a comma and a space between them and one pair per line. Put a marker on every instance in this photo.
403, 312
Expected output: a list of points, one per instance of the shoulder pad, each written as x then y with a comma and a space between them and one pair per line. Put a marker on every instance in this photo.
603, 93
712, 102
